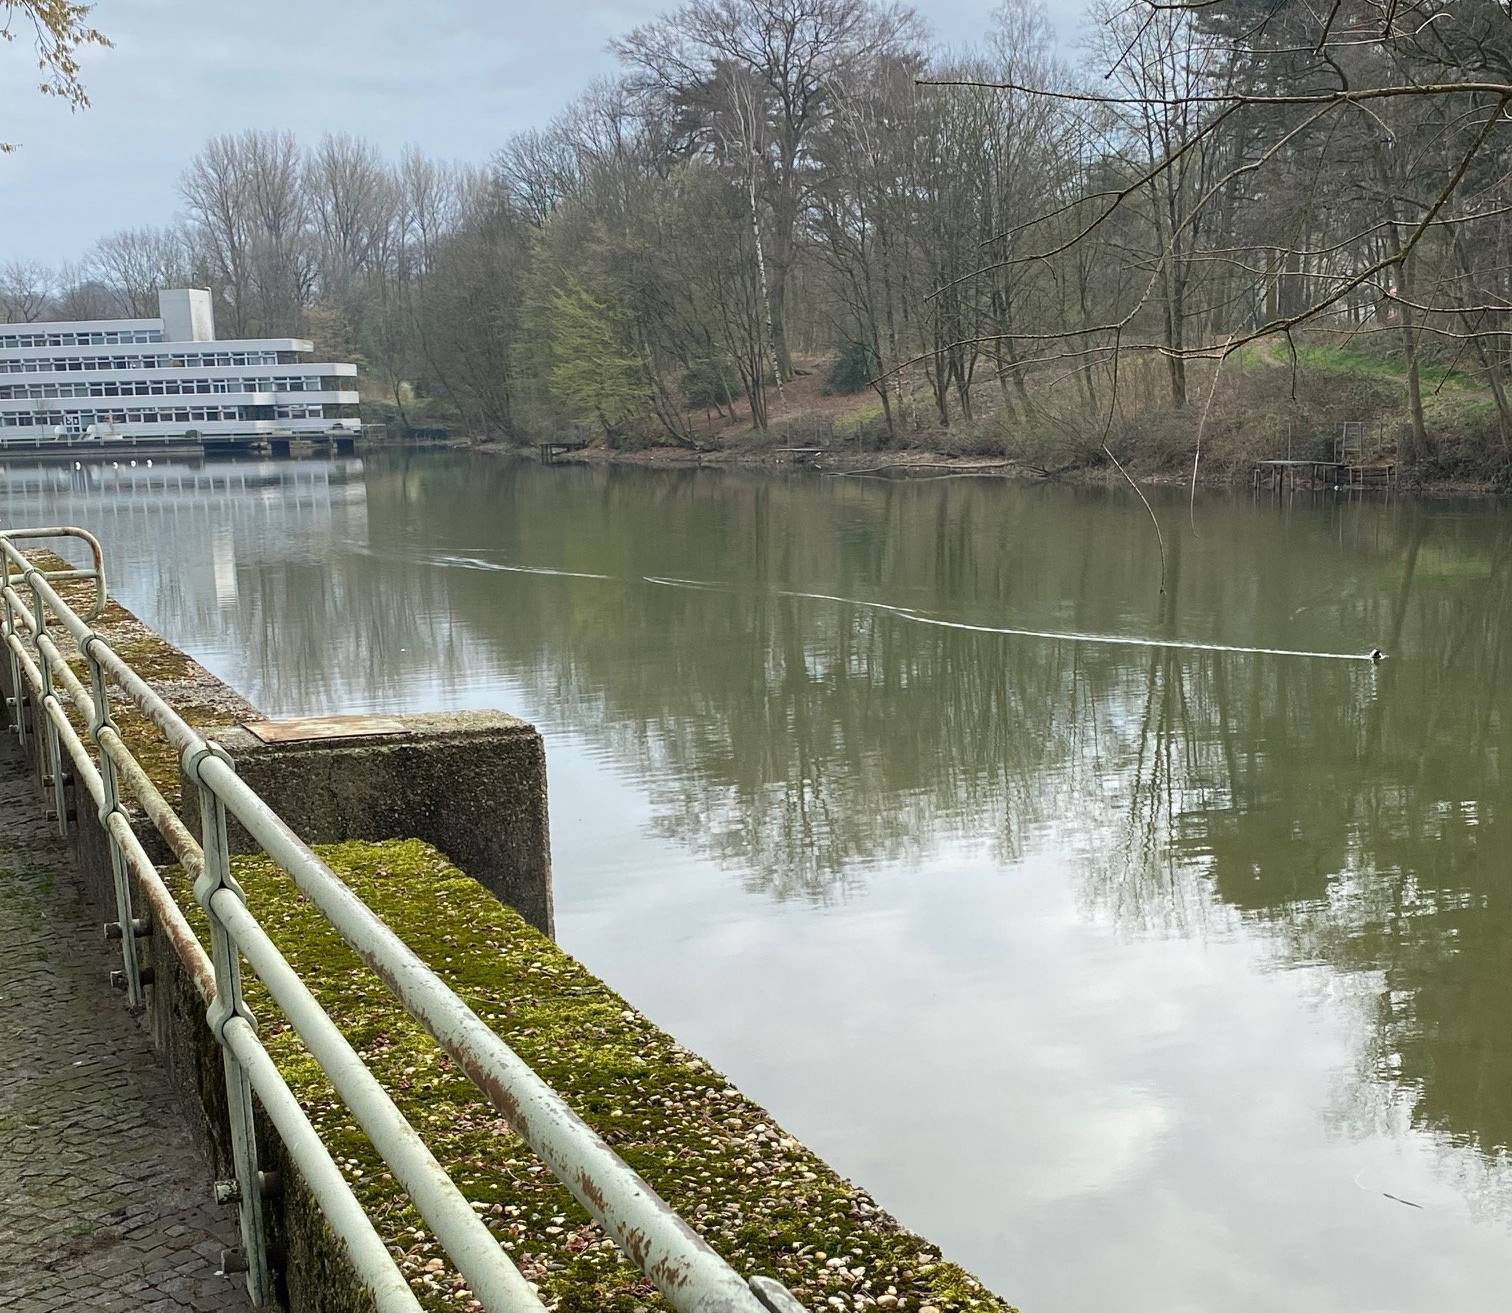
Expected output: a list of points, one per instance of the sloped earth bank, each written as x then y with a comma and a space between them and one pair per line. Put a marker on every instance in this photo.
1265, 406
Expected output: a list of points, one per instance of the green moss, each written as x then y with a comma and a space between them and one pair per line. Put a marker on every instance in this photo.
762, 1199
859, 416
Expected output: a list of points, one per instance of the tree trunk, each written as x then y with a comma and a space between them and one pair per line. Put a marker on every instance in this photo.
1488, 364
772, 302
1417, 438
1173, 281
781, 265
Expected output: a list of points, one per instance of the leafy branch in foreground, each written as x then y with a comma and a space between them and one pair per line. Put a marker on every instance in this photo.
60, 30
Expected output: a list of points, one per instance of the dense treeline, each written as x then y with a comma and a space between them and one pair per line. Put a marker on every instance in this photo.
773, 181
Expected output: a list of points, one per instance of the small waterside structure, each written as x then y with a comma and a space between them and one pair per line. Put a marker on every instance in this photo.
1281, 474
167, 385
1356, 462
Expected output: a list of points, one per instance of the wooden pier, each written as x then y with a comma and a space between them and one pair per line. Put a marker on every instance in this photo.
1361, 459
803, 455
551, 450
1281, 474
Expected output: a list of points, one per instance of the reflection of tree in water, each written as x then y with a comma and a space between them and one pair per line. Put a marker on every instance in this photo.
1363, 822
1351, 810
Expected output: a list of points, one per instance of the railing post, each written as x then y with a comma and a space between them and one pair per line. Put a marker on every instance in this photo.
18, 685
228, 1003
109, 805
54, 754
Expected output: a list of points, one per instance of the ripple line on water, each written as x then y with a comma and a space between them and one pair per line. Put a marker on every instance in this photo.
1054, 635
697, 585
477, 563
940, 622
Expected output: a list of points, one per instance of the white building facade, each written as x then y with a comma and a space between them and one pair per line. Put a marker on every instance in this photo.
165, 377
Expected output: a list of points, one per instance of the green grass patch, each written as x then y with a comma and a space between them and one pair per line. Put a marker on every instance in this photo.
1250, 356
1363, 364
863, 412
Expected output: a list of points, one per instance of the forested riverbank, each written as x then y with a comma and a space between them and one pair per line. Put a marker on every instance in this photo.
1181, 239
1262, 406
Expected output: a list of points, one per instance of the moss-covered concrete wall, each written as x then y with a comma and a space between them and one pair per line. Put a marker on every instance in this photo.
765, 1202
473, 783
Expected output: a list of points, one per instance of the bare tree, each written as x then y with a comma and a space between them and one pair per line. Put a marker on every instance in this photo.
78, 294
800, 53
25, 289
284, 261
1162, 70
1384, 128
137, 263
217, 190
251, 214
354, 201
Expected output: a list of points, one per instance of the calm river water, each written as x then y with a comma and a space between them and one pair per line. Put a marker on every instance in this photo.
1148, 978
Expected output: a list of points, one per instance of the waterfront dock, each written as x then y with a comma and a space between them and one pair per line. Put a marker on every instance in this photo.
423, 900
1282, 474
183, 446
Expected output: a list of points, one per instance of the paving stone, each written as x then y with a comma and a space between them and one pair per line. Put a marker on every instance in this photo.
105, 1197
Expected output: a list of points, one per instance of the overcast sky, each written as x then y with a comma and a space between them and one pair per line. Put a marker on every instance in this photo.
455, 77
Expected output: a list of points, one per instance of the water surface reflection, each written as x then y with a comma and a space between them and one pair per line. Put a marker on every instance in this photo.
1149, 978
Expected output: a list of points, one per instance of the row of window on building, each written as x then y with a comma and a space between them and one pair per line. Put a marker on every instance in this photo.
185, 360
96, 337
170, 387
82, 419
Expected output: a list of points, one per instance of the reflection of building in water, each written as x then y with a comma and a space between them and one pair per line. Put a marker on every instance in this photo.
209, 520
157, 488
162, 377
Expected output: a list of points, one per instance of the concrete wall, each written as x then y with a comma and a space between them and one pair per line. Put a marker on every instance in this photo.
473, 784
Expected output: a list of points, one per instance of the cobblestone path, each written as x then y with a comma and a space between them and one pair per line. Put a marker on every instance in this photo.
105, 1197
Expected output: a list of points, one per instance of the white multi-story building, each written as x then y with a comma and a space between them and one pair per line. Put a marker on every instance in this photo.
165, 377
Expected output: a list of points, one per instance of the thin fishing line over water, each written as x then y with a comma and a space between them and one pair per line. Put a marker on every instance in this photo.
914, 616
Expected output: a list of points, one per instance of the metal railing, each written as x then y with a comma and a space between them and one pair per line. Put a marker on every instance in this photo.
678, 1261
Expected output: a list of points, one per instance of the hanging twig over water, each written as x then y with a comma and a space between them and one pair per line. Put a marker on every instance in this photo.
1159, 537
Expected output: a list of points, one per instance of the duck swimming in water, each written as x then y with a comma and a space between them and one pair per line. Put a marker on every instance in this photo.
1377, 655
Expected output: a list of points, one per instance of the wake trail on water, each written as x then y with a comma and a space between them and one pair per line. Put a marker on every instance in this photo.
477, 563
1054, 635
468, 562
920, 617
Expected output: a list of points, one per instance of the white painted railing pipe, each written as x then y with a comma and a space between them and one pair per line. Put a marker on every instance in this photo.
693, 1277
685, 1269
494, 1280
167, 915
365, 1249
